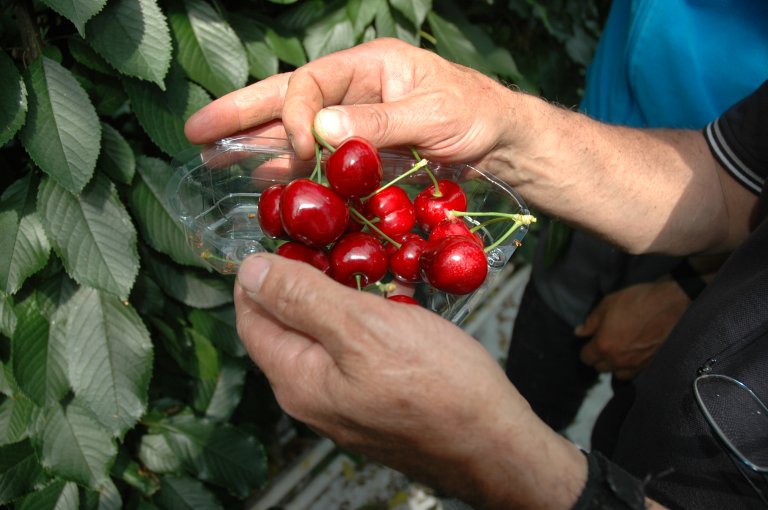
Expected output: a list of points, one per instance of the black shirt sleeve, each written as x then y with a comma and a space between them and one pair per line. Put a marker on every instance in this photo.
739, 139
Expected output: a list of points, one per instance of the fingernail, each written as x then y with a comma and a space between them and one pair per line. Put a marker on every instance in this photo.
332, 124
252, 273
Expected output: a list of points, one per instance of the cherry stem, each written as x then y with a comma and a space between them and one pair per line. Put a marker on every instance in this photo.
317, 173
518, 219
359, 281
322, 141
414, 168
365, 221
437, 193
384, 288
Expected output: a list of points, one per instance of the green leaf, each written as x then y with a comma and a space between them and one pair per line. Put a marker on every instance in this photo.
62, 134
116, 159
262, 60
109, 358
74, 446
209, 50
53, 293
163, 114
194, 353
20, 471
331, 33
414, 11
13, 99
156, 454
106, 498
217, 398
158, 225
218, 324
287, 48
7, 315
194, 288
87, 56
362, 13
92, 233
39, 363
133, 36
59, 495
78, 12
16, 414
390, 23
217, 453
25, 248
134, 474
461, 42
184, 493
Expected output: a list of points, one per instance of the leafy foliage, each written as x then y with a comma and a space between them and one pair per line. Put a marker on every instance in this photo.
122, 380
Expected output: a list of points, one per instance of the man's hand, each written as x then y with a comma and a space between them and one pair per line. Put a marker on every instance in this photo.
629, 325
402, 385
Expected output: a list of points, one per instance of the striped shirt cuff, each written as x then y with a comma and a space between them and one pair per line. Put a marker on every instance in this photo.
724, 153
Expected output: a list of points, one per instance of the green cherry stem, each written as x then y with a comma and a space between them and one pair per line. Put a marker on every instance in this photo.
359, 281
317, 173
422, 163
368, 223
322, 141
437, 193
518, 219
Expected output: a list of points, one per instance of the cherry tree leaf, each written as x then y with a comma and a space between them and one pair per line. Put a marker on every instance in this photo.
133, 36
15, 415
92, 233
184, 493
87, 56
158, 226
109, 357
155, 453
216, 452
330, 33
39, 364
25, 247
58, 495
7, 315
209, 50
73, 445
217, 398
13, 99
262, 60
286, 47
117, 159
62, 133
20, 471
390, 23
78, 12
162, 114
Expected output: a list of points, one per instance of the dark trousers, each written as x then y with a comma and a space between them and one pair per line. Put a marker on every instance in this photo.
543, 362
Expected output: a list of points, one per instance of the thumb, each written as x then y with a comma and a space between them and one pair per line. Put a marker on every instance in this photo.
304, 299
590, 325
384, 124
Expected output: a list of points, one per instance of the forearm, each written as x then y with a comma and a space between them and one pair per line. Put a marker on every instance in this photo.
604, 178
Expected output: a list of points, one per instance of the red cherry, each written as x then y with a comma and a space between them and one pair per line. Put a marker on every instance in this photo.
303, 253
454, 227
269, 212
358, 255
402, 298
354, 169
455, 264
394, 209
404, 261
312, 213
431, 210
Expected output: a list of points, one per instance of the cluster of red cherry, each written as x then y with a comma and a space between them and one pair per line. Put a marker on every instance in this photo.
357, 230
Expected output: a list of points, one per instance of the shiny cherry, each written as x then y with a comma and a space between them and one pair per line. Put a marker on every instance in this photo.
394, 210
454, 264
402, 298
404, 260
432, 209
358, 259
354, 169
454, 226
313, 256
269, 212
312, 214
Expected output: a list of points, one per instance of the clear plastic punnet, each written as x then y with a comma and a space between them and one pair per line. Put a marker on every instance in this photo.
215, 192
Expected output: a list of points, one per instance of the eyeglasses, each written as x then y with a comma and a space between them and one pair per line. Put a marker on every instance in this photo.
738, 418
